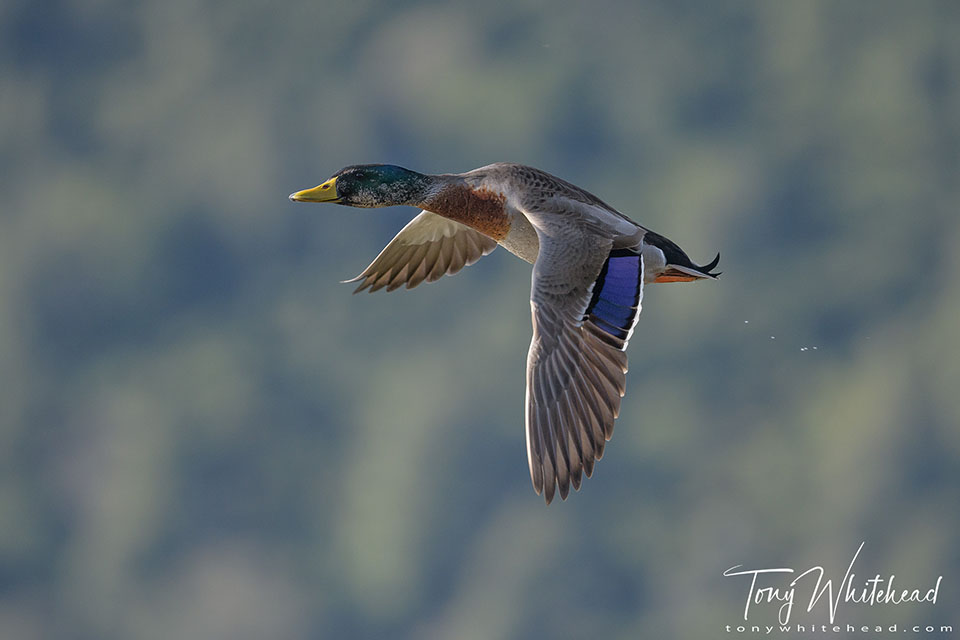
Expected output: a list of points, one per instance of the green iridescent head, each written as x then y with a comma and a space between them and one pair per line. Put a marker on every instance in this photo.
368, 185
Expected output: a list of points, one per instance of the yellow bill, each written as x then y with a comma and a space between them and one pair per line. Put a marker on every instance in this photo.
326, 192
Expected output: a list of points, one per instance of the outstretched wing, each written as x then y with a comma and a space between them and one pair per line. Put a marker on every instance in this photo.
585, 302
426, 249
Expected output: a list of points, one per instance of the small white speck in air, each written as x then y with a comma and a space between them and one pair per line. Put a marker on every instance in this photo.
814, 348
746, 322
803, 348
773, 337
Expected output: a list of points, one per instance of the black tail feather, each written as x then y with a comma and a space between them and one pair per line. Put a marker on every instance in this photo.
707, 268
675, 255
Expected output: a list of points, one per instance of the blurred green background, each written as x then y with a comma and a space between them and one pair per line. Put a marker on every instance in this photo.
204, 435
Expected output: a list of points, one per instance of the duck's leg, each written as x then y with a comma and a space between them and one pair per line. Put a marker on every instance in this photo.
674, 273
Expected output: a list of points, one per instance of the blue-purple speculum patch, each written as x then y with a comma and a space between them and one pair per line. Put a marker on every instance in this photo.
616, 293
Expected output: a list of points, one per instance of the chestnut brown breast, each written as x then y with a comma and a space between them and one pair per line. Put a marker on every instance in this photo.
480, 209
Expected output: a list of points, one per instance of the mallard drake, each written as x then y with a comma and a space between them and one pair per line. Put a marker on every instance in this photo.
590, 263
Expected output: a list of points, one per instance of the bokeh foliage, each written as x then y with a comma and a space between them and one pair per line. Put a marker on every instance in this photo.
203, 435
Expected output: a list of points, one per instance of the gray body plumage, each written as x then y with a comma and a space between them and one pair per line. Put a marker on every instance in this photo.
576, 363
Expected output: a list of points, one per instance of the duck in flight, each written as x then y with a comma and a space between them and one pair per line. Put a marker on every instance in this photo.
590, 263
